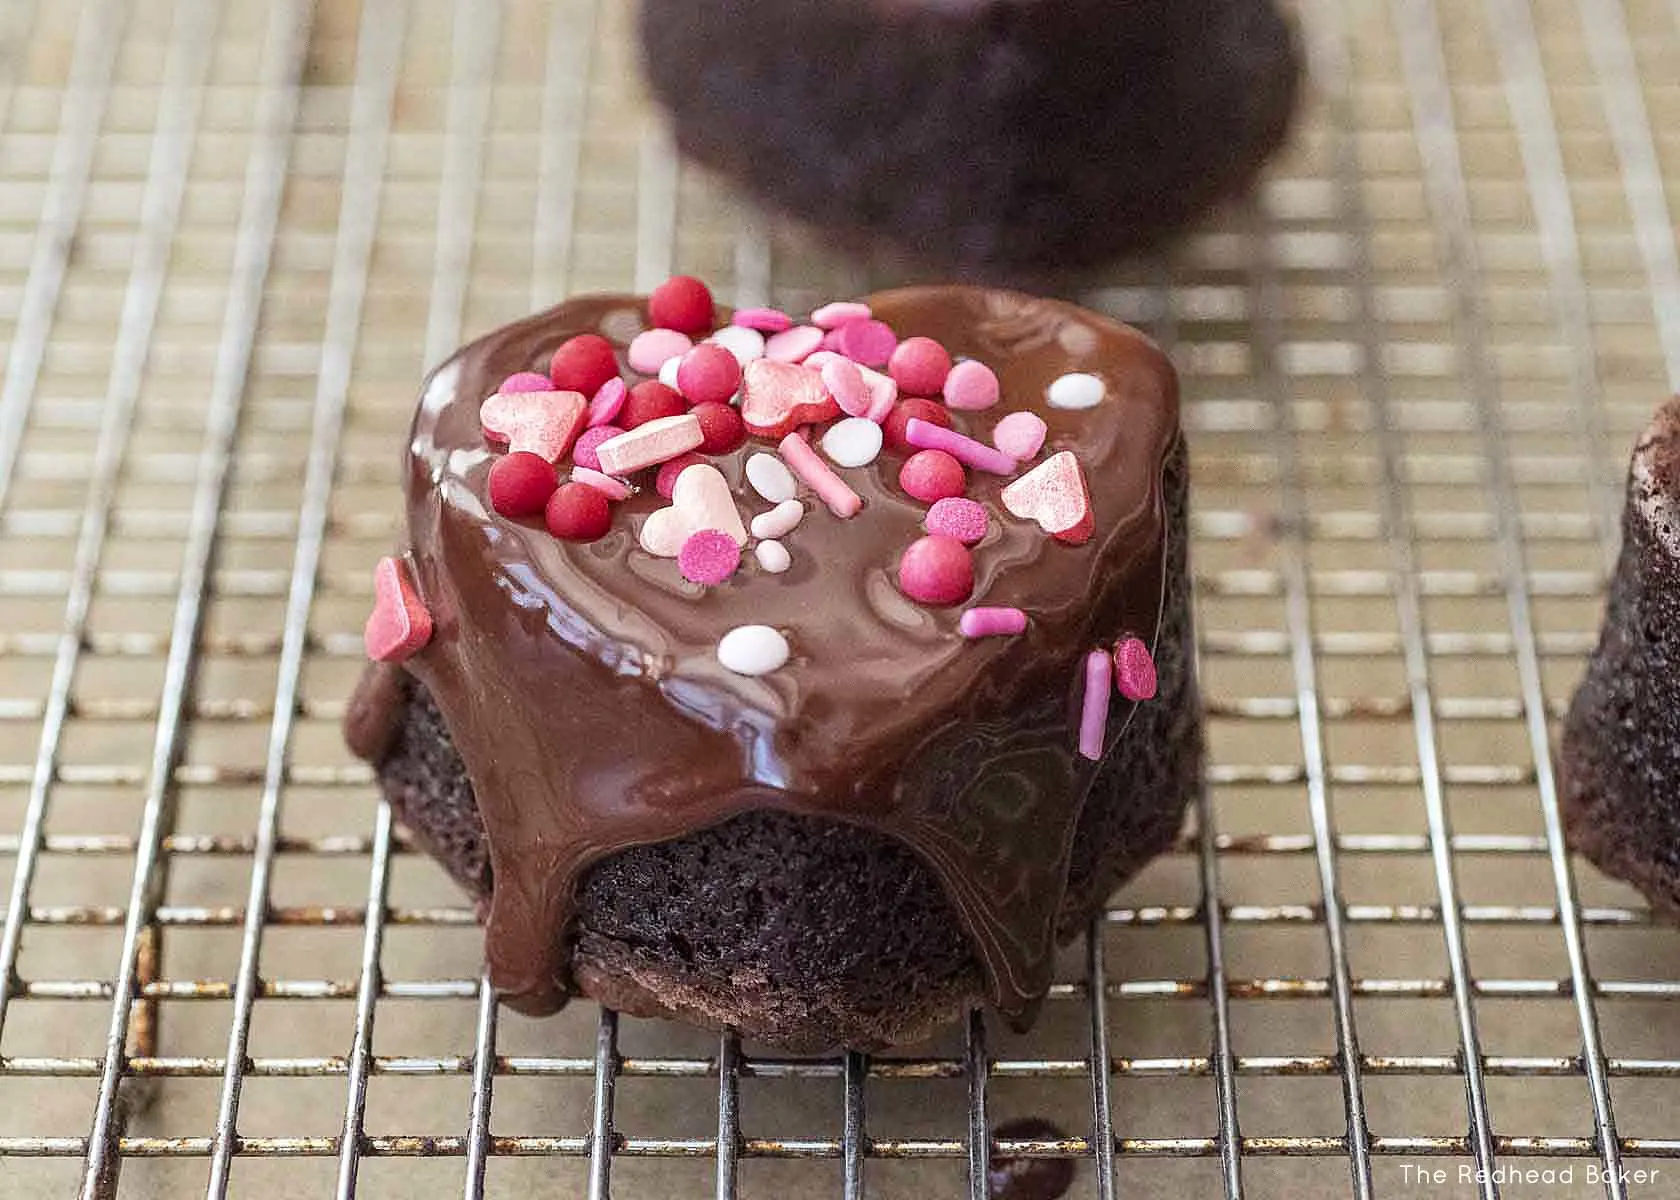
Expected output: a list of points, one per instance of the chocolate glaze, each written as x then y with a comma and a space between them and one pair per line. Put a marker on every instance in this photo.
582, 689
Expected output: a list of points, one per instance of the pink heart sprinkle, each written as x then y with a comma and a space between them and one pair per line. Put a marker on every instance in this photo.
1054, 494
708, 557
1020, 435
1134, 670
545, 423
399, 626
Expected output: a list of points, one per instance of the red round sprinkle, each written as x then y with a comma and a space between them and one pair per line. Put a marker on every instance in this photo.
648, 401
666, 481
932, 475
936, 570
707, 373
521, 483
919, 366
912, 406
682, 303
578, 513
708, 557
583, 364
958, 517
721, 426
525, 381
589, 441
869, 342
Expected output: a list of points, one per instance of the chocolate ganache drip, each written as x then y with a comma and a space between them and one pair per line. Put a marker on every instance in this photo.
582, 687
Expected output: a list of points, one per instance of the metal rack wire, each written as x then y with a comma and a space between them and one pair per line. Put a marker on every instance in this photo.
1414, 367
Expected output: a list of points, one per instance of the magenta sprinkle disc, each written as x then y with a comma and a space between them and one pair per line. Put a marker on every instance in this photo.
1134, 670
708, 557
959, 517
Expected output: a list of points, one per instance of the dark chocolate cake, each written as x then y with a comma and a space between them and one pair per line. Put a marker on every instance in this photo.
1621, 743
999, 139
827, 793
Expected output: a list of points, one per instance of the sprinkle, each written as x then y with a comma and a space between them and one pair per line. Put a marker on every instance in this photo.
668, 372
655, 442
771, 479
578, 513
992, 622
708, 557
752, 650
773, 556
666, 481
883, 394
545, 423
1134, 670
1076, 390
708, 373
526, 381
745, 344
925, 435
583, 363
869, 342
1093, 717
971, 386
721, 426
920, 366
651, 349
1020, 435
844, 382
764, 320
936, 570
817, 475
400, 625
958, 517
700, 499
521, 483
779, 521
841, 312
777, 398
584, 451
931, 476
612, 489
648, 401
682, 303
912, 406
605, 407
854, 442
1054, 494
794, 345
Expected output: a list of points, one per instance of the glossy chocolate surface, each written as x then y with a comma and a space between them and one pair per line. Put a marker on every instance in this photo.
582, 688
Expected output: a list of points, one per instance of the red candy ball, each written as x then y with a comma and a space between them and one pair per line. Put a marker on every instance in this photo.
708, 373
919, 366
721, 427
583, 364
648, 401
912, 406
578, 513
521, 483
666, 481
936, 570
682, 303
932, 475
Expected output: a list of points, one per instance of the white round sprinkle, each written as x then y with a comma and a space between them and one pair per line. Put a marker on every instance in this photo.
779, 521
770, 478
745, 344
773, 557
853, 442
1076, 391
752, 650
668, 373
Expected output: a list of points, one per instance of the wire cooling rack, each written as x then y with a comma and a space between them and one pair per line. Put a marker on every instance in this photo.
233, 234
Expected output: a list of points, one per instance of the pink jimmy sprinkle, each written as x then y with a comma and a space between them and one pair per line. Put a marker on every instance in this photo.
841, 312
992, 622
1134, 670
1093, 717
816, 474
765, 320
612, 489
608, 402
925, 435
